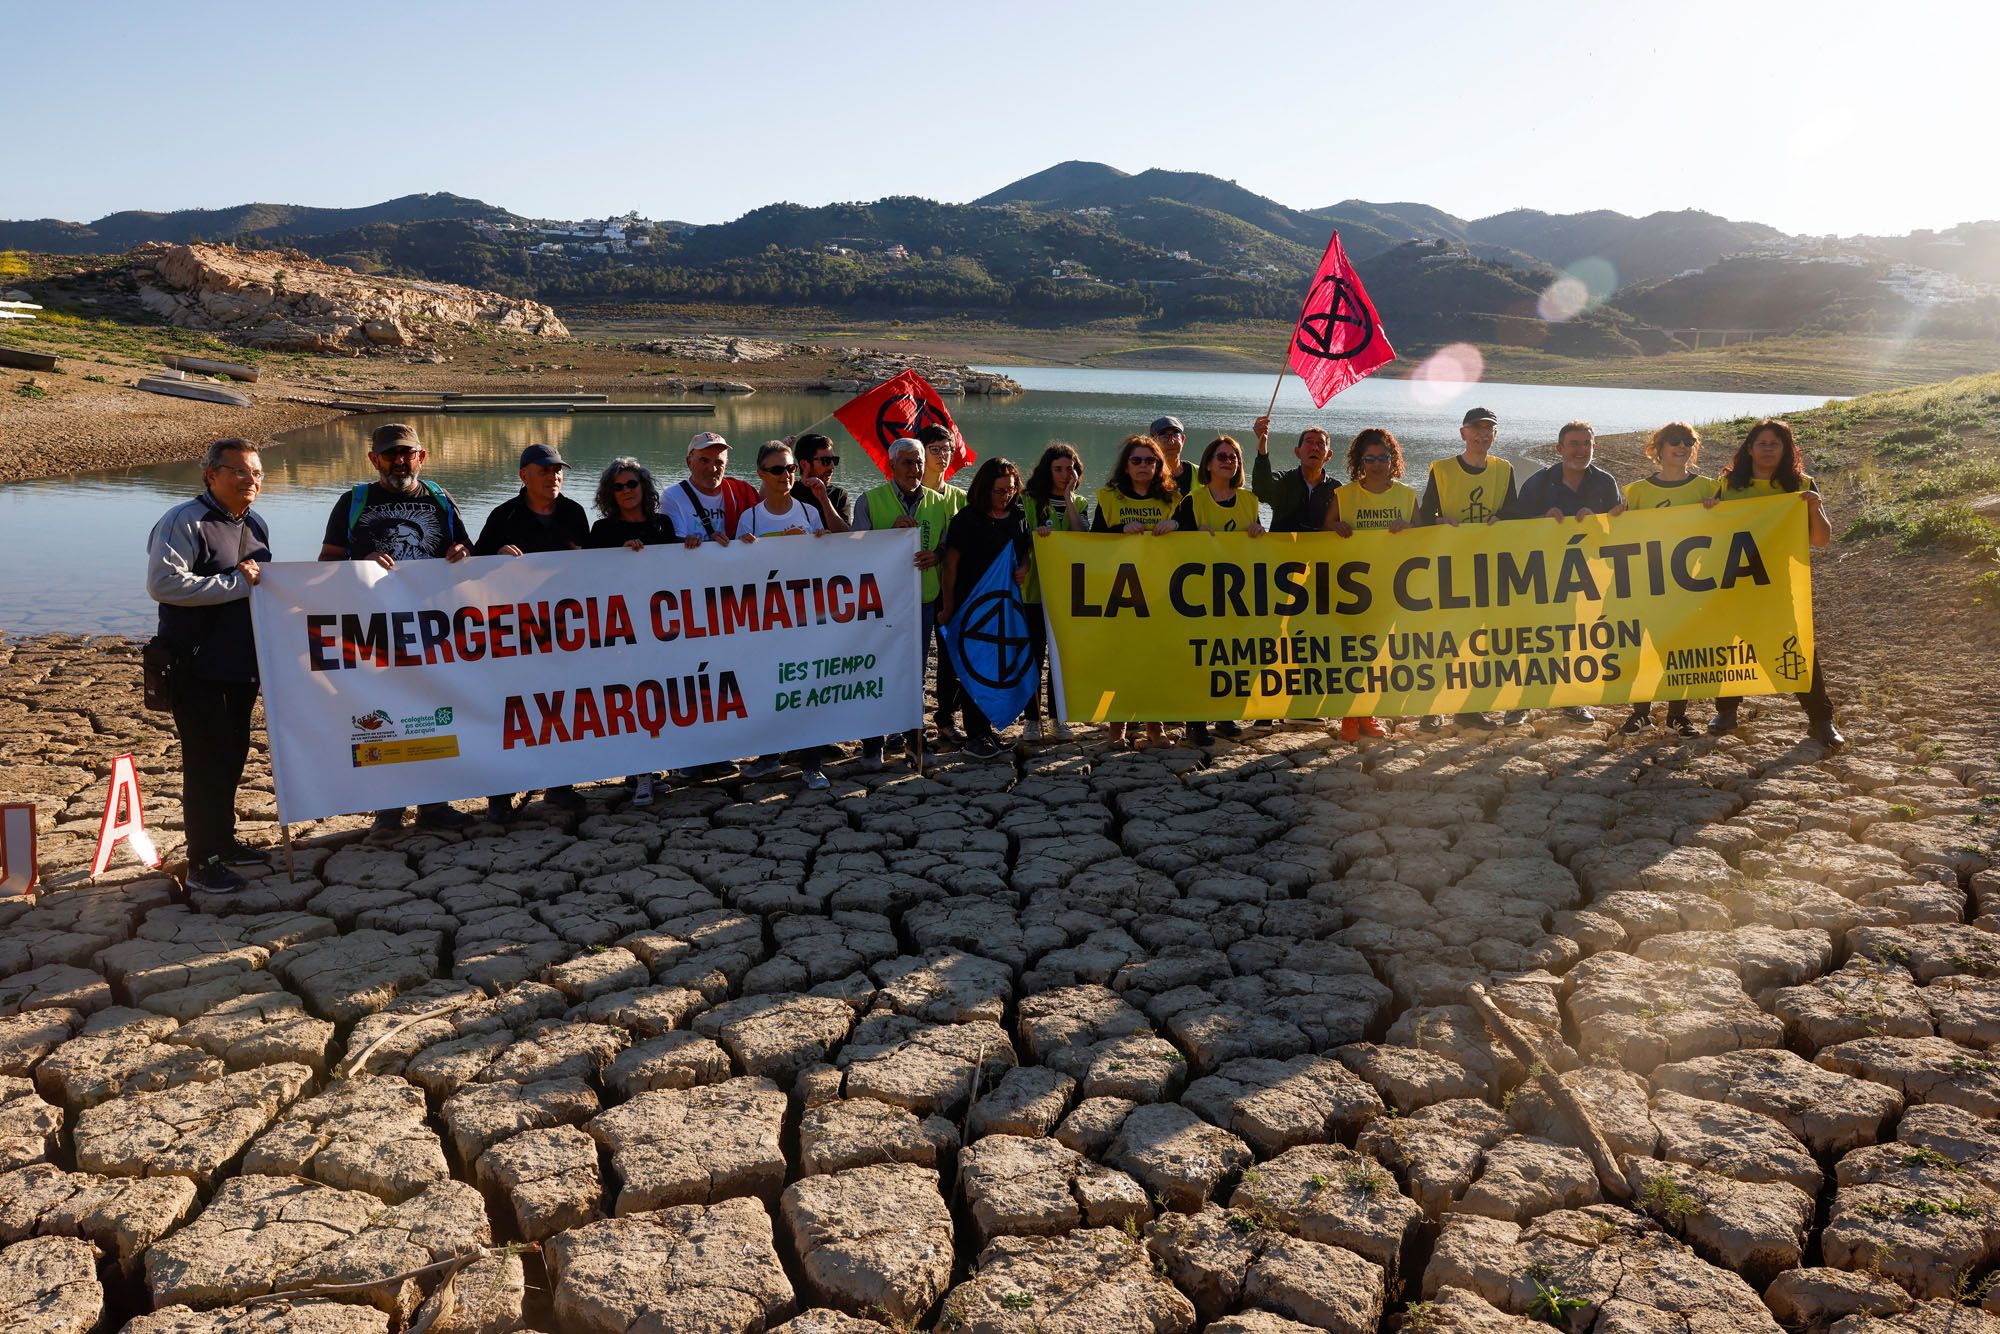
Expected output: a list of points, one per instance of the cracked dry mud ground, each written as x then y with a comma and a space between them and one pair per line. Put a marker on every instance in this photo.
1072, 1041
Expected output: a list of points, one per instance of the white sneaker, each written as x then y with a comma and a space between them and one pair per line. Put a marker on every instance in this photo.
816, 780
1033, 731
642, 790
1062, 731
763, 766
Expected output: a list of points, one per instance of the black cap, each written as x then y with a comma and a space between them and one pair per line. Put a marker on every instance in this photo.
1164, 425
542, 454
1479, 416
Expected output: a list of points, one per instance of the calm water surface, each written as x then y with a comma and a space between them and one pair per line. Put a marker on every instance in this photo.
72, 550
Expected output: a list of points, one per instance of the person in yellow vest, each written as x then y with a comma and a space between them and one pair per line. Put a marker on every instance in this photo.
1768, 463
1674, 450
1474, 486
1053, 506
1139, 498
1218, 503
905, 502
1372, 498
942, 453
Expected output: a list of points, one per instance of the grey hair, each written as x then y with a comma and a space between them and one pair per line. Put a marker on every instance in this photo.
649, 490
212, 457
905, 446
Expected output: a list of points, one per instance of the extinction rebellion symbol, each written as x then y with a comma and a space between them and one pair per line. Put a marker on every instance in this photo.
1343, 328
901, 416
996, 621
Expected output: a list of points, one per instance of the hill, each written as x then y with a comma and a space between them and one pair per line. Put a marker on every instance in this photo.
261, 223
1639, 249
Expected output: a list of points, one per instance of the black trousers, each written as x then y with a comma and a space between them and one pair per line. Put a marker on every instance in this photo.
213, 719
1038, 634
1813, 699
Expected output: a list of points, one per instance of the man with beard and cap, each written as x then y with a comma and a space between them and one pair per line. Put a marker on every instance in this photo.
541, 518
397, 517
704, 508
1171, 437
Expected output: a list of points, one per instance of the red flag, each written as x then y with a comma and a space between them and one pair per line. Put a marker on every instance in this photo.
900, 406
1339, 338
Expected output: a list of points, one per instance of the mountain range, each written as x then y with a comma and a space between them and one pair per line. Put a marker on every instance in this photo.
1083, 240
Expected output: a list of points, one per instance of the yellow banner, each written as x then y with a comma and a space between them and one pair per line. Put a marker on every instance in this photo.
1678, 603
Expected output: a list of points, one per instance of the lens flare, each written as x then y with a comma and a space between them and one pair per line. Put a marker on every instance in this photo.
1447, 373
1586, 283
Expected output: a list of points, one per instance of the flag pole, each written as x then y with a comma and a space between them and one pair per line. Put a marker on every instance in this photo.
1275, 387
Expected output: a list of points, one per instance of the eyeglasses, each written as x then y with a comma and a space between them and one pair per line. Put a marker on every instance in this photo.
631, 485
786, 471
937, 449
1374, 458
247, 474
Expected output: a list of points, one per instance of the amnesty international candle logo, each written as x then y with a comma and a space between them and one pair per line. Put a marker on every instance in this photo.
1475, 506
1790, 663
1337, 325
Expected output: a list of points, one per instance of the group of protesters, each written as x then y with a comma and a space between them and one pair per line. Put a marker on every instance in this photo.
204, 557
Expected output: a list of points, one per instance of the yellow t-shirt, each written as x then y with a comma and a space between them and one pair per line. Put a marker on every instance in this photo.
1651, 493
1754, 488
1472, 497
1362, 508
1207, 513
1120, 509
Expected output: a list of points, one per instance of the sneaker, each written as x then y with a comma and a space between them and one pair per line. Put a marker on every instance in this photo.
948, 733
498, 809
1826, 734
1580, 713
816, 780
1032, 732
1156, 735
984, 746
1062, 731
1635, 724
1513, 717
763, 766
565, 798
1373, 727
1350, 729
214, 877
1683, 726
1478, 720
702, 773
1722, 724
1432, 722
642, 790
1230, 728
441, 816
388, 822
893, 746
871, 753
1197, 735
239, 853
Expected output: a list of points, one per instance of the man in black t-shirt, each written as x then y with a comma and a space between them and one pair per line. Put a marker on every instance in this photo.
396, 518
816, 464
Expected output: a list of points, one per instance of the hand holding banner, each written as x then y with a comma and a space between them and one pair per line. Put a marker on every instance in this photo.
900, 406
1338, 338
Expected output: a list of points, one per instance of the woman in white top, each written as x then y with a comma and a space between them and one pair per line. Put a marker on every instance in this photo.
778, 513
777, 510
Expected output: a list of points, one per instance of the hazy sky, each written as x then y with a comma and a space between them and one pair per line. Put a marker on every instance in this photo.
1814, 117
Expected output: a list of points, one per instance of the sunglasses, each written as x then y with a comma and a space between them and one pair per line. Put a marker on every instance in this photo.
786, 471
830, 460
632, 485
1146, 460
1374, 458
400, 452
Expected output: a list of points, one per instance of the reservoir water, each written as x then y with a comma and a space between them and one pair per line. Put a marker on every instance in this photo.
72, 549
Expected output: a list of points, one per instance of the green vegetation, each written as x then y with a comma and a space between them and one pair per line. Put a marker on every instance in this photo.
1668, 1200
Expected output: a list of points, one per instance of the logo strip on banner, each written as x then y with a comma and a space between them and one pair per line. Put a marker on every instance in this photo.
436, 682
1652, 605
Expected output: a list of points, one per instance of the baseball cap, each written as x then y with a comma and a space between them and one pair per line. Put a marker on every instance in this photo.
1477, 416
1165, 425
707, 440
542, 454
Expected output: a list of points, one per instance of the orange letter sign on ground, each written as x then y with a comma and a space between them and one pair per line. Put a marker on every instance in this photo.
131, 825
17, 848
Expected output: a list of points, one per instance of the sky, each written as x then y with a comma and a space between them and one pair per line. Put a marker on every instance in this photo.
1824, 117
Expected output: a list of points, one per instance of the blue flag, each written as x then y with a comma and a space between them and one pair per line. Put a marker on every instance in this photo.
987, 637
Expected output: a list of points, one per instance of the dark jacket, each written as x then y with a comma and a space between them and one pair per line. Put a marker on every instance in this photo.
654, 530
191, 561
513, 524
1546, 491
1297, 506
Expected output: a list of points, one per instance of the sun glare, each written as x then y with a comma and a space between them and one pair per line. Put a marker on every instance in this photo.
1447, 373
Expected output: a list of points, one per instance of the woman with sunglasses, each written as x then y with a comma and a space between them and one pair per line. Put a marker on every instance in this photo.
1673, 449
629, 501
1217, 503
1051, 504
779, 513
1140, 498
1371, 499
1768, 463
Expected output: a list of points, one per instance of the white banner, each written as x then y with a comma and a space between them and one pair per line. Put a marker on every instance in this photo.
434, 682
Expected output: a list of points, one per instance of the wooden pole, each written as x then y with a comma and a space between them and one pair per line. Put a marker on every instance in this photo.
1275, 387
1609, 1175
285, 837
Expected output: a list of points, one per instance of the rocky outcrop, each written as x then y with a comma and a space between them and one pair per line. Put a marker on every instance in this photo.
285, 301
863, 368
